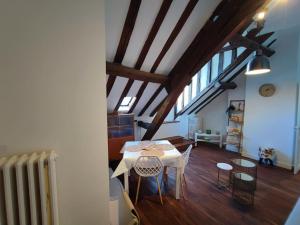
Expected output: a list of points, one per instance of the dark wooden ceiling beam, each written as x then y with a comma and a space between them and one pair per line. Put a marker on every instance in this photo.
248, 43
155, 94
210, 100
241, 58
216, 93
138, 96
151, 36
134, 74
217, 31
251, 34
124, 93
157, 107
127, 30
124, 39
234, 65
178, 27
154, 29
109, 84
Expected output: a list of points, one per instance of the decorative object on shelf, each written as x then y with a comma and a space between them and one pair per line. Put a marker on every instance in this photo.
267, 90
229, 110
234, 136
208, 131
266, 156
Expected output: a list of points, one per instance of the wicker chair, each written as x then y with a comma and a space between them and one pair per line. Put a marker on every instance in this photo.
148, 166
186, 157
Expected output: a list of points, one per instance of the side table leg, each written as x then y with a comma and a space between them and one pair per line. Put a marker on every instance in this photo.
126, 182
218, 177
178, 174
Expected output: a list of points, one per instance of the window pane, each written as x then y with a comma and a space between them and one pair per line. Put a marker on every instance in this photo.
179, 103
204, 77
186, 95
214, 67
194, 86
240, 50
125, 101
227, 58
126, 104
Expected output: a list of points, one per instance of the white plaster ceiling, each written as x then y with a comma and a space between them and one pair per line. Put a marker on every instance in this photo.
282, 14
116, 11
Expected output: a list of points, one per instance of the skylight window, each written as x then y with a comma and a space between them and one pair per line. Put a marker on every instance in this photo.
126, 104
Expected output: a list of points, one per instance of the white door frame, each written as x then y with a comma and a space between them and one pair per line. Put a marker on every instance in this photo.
296, 160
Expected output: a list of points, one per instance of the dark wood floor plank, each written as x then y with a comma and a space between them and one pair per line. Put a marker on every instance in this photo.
277, 192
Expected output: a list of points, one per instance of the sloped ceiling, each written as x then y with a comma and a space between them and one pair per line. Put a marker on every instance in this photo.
116, 12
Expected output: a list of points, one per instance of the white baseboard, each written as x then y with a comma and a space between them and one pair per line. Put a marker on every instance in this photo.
281, 164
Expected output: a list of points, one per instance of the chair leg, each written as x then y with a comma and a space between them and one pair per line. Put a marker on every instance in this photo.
164, 179
158, 186
138, 189
184, 179
181, 186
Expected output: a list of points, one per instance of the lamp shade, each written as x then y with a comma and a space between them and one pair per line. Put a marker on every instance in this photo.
259, 64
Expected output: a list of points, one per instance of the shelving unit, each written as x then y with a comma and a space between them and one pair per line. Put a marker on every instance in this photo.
235, 126
210, 138
120, 129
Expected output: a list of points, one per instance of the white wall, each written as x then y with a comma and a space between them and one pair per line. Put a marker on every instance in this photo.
52, 94
214, 116
179, 128
239, 92
269, 122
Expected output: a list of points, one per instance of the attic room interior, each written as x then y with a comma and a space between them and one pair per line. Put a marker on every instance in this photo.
148, 112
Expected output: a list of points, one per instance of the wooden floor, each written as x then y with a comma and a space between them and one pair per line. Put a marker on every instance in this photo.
277, 192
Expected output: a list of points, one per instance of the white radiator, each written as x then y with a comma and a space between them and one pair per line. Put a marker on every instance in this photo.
28, 192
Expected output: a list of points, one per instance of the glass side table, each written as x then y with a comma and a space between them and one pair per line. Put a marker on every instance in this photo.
243, 188
244, 166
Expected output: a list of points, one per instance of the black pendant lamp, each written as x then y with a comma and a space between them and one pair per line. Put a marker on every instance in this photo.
259, 64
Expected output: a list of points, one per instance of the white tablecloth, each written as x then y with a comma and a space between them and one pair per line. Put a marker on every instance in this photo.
171, 158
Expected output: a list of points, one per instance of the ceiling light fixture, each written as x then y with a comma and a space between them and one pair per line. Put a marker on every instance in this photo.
261, 15
259, 64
